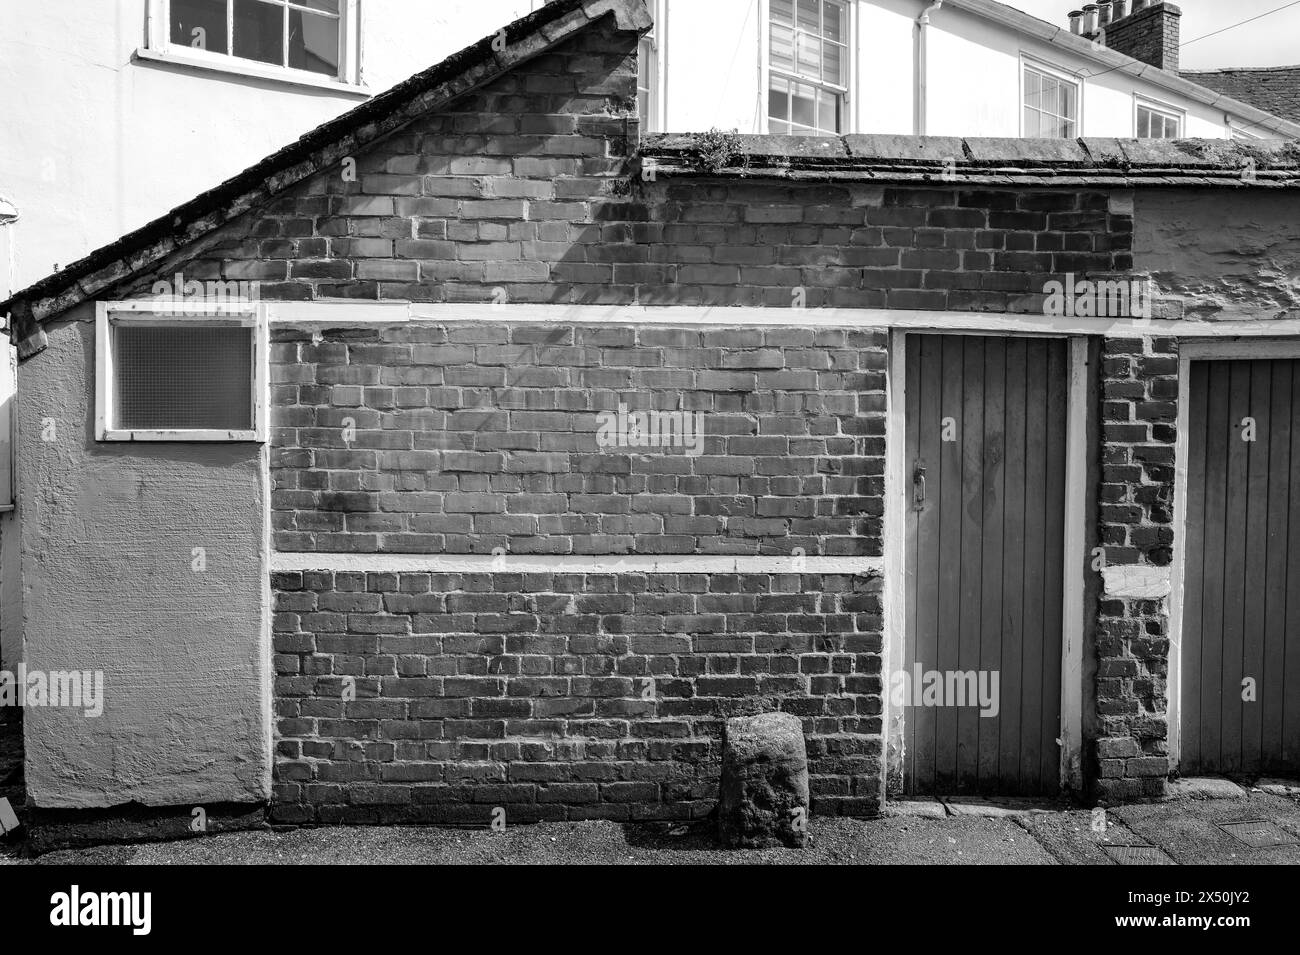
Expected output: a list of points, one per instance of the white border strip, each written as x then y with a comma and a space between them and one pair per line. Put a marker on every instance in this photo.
895, 547
286, 562
371, 313
1072, 605
1174, 656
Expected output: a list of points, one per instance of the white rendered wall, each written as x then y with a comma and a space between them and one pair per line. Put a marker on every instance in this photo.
714, 52
713, 62
96, 143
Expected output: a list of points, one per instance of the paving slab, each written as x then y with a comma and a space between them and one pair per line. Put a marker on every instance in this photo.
927, 808
1078, 837
1280, 787
1204, 787
997, 808
1191, 830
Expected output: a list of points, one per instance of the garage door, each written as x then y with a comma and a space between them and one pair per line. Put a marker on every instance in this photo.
986, 444
1240, 653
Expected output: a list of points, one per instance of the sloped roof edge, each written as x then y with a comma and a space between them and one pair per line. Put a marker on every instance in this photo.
1061, 36
1114, 163
319, 148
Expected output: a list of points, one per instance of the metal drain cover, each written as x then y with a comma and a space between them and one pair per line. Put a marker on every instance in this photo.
1259, 833
1138, 855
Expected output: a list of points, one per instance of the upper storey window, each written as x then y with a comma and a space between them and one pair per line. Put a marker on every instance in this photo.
808, 67
305, 41
1051, 105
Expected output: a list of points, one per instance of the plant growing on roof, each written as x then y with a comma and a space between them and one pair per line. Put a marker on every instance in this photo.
717, 149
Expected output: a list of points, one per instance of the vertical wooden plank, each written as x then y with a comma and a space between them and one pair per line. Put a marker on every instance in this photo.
911, 420
1013, 569
1194, 565
1036, 425
1219, 437
991, 571
1255, 565
950, 491
1272, 682
972, 533
1291, 698
1234, 568
1058, 379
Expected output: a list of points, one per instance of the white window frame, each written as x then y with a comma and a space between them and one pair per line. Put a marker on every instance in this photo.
765, 70
1141, 102
179, 314
657, 89
159, 48
1028, 62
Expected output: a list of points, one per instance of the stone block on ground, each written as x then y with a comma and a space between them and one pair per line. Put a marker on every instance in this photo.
764, 786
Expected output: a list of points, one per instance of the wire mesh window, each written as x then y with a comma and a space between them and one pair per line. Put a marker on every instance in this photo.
808, 60
192, 377
1051, 106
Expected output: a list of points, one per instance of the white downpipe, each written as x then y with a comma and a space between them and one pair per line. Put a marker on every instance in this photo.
922, 22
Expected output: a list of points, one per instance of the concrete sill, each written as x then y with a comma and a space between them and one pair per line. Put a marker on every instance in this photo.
251, 69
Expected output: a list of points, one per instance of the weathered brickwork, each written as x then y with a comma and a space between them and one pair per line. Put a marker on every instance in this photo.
504, 190
563, 696
471, 438
684, 243
528, 191
1140, 405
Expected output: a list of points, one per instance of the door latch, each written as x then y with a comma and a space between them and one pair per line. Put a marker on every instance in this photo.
918, 486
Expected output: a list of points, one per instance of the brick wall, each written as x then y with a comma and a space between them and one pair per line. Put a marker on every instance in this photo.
470, 438
451, 438
696, 242
562, 696
1140, 408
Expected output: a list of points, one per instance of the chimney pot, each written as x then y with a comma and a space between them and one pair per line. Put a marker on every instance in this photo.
1103, 14
1118, 10
1075, 17
1089, 19
1139, 5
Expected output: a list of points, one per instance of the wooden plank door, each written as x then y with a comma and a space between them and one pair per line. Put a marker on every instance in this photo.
1240, 653
986, 443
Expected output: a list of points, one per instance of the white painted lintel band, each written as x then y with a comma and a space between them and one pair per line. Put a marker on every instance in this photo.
287, 562
867, 319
